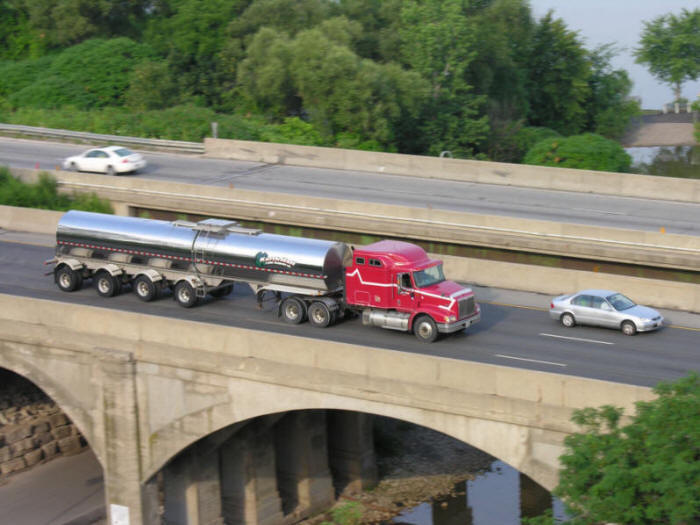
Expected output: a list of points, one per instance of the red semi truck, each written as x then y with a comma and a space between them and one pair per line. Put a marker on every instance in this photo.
391, 284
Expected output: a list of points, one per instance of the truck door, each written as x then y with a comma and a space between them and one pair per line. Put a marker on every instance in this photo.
404, 294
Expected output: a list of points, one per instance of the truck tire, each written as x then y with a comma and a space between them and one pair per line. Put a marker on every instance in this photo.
425, 329
319, 314
293, 310
185, 294
68, 279
222, 292
145, 289
106, 285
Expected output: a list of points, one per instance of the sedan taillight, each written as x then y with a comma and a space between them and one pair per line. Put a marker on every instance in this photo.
551, 305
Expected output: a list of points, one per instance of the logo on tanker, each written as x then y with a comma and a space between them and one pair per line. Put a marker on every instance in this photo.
263, 259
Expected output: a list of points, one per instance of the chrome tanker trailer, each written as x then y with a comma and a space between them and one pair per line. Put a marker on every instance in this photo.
309, 277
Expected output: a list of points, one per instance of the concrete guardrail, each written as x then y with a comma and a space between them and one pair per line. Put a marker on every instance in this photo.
500, 173
513, 276
535, 236
63, 134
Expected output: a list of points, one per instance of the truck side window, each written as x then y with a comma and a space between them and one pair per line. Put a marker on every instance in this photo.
406, 280
359, 260
375, 262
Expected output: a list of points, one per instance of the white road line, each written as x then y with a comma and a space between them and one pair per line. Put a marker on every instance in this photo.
530, 360
577, 339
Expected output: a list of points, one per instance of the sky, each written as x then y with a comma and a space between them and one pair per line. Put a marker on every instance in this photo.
620, 22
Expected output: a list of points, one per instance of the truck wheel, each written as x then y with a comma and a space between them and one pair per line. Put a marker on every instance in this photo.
68, 279
185, 294
425, 329
568, 320
319, 314
145, 289
628, 328
293, 310
222, 292
106, 285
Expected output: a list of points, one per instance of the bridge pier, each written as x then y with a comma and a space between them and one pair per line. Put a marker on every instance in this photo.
115, 371
305, 480
248, 478
351, 450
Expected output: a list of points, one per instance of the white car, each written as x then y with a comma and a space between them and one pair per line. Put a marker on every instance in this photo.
604, 308
111, 160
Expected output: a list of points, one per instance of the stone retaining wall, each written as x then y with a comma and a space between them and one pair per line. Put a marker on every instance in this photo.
33, 429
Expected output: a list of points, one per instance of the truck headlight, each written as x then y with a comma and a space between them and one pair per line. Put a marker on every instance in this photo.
450, 318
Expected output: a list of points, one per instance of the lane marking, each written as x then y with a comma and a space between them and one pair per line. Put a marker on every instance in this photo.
531, 360
578, 339
524, 307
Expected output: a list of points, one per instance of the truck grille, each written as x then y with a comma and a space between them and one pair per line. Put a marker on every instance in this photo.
466, 307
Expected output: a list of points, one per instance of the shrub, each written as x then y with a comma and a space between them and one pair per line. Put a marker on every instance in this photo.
587, 151
44, 195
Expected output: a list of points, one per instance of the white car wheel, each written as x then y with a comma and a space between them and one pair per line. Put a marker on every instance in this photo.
568, 320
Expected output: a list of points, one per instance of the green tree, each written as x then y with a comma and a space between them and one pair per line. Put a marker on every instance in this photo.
645, 472
151, 86
61, 23
670, 48
609, 107
191, 35
587, 152
557, 78
438, 42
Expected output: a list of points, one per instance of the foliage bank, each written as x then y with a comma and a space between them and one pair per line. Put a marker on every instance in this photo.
409, 76
44, 195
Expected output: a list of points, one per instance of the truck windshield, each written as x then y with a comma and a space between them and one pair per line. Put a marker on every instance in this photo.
429, 276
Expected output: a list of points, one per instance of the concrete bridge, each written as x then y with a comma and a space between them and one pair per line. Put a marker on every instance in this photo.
268, 423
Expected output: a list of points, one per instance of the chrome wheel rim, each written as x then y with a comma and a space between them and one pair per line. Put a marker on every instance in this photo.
65, 280
291, 311
103, 285
425, 330
319, 315
142, 289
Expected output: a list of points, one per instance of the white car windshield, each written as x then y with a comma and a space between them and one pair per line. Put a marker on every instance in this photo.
620, 302
123, 152
429, 276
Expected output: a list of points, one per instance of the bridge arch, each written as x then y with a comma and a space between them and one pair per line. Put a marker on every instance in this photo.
509, 442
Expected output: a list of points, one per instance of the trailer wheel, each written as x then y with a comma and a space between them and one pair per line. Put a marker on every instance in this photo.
293, 310
185, 294
145, 289
319, 314
68, 279
107, 285
222, 292
425, 329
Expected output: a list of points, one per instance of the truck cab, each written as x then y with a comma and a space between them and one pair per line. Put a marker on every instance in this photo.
397, 286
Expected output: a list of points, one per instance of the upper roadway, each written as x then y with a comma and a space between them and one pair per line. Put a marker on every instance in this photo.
509, 335
558, 206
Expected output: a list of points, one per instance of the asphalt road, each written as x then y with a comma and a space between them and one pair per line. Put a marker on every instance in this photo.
518, 335
559, 206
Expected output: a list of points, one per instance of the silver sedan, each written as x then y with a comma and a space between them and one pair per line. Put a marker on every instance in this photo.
604, 308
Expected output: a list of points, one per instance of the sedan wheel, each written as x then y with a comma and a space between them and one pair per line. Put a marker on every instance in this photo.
110, 170
568, 320
628, 328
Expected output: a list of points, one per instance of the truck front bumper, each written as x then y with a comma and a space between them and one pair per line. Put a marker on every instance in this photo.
450, 328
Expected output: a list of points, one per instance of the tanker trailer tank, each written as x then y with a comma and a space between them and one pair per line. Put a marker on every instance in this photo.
207, 256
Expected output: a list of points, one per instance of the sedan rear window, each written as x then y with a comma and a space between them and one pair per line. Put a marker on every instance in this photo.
123, 152
620, 302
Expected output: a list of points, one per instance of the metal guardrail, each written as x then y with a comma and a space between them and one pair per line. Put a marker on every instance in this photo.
171, 145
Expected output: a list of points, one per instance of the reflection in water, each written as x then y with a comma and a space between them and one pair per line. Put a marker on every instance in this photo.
677, 161
502, 495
